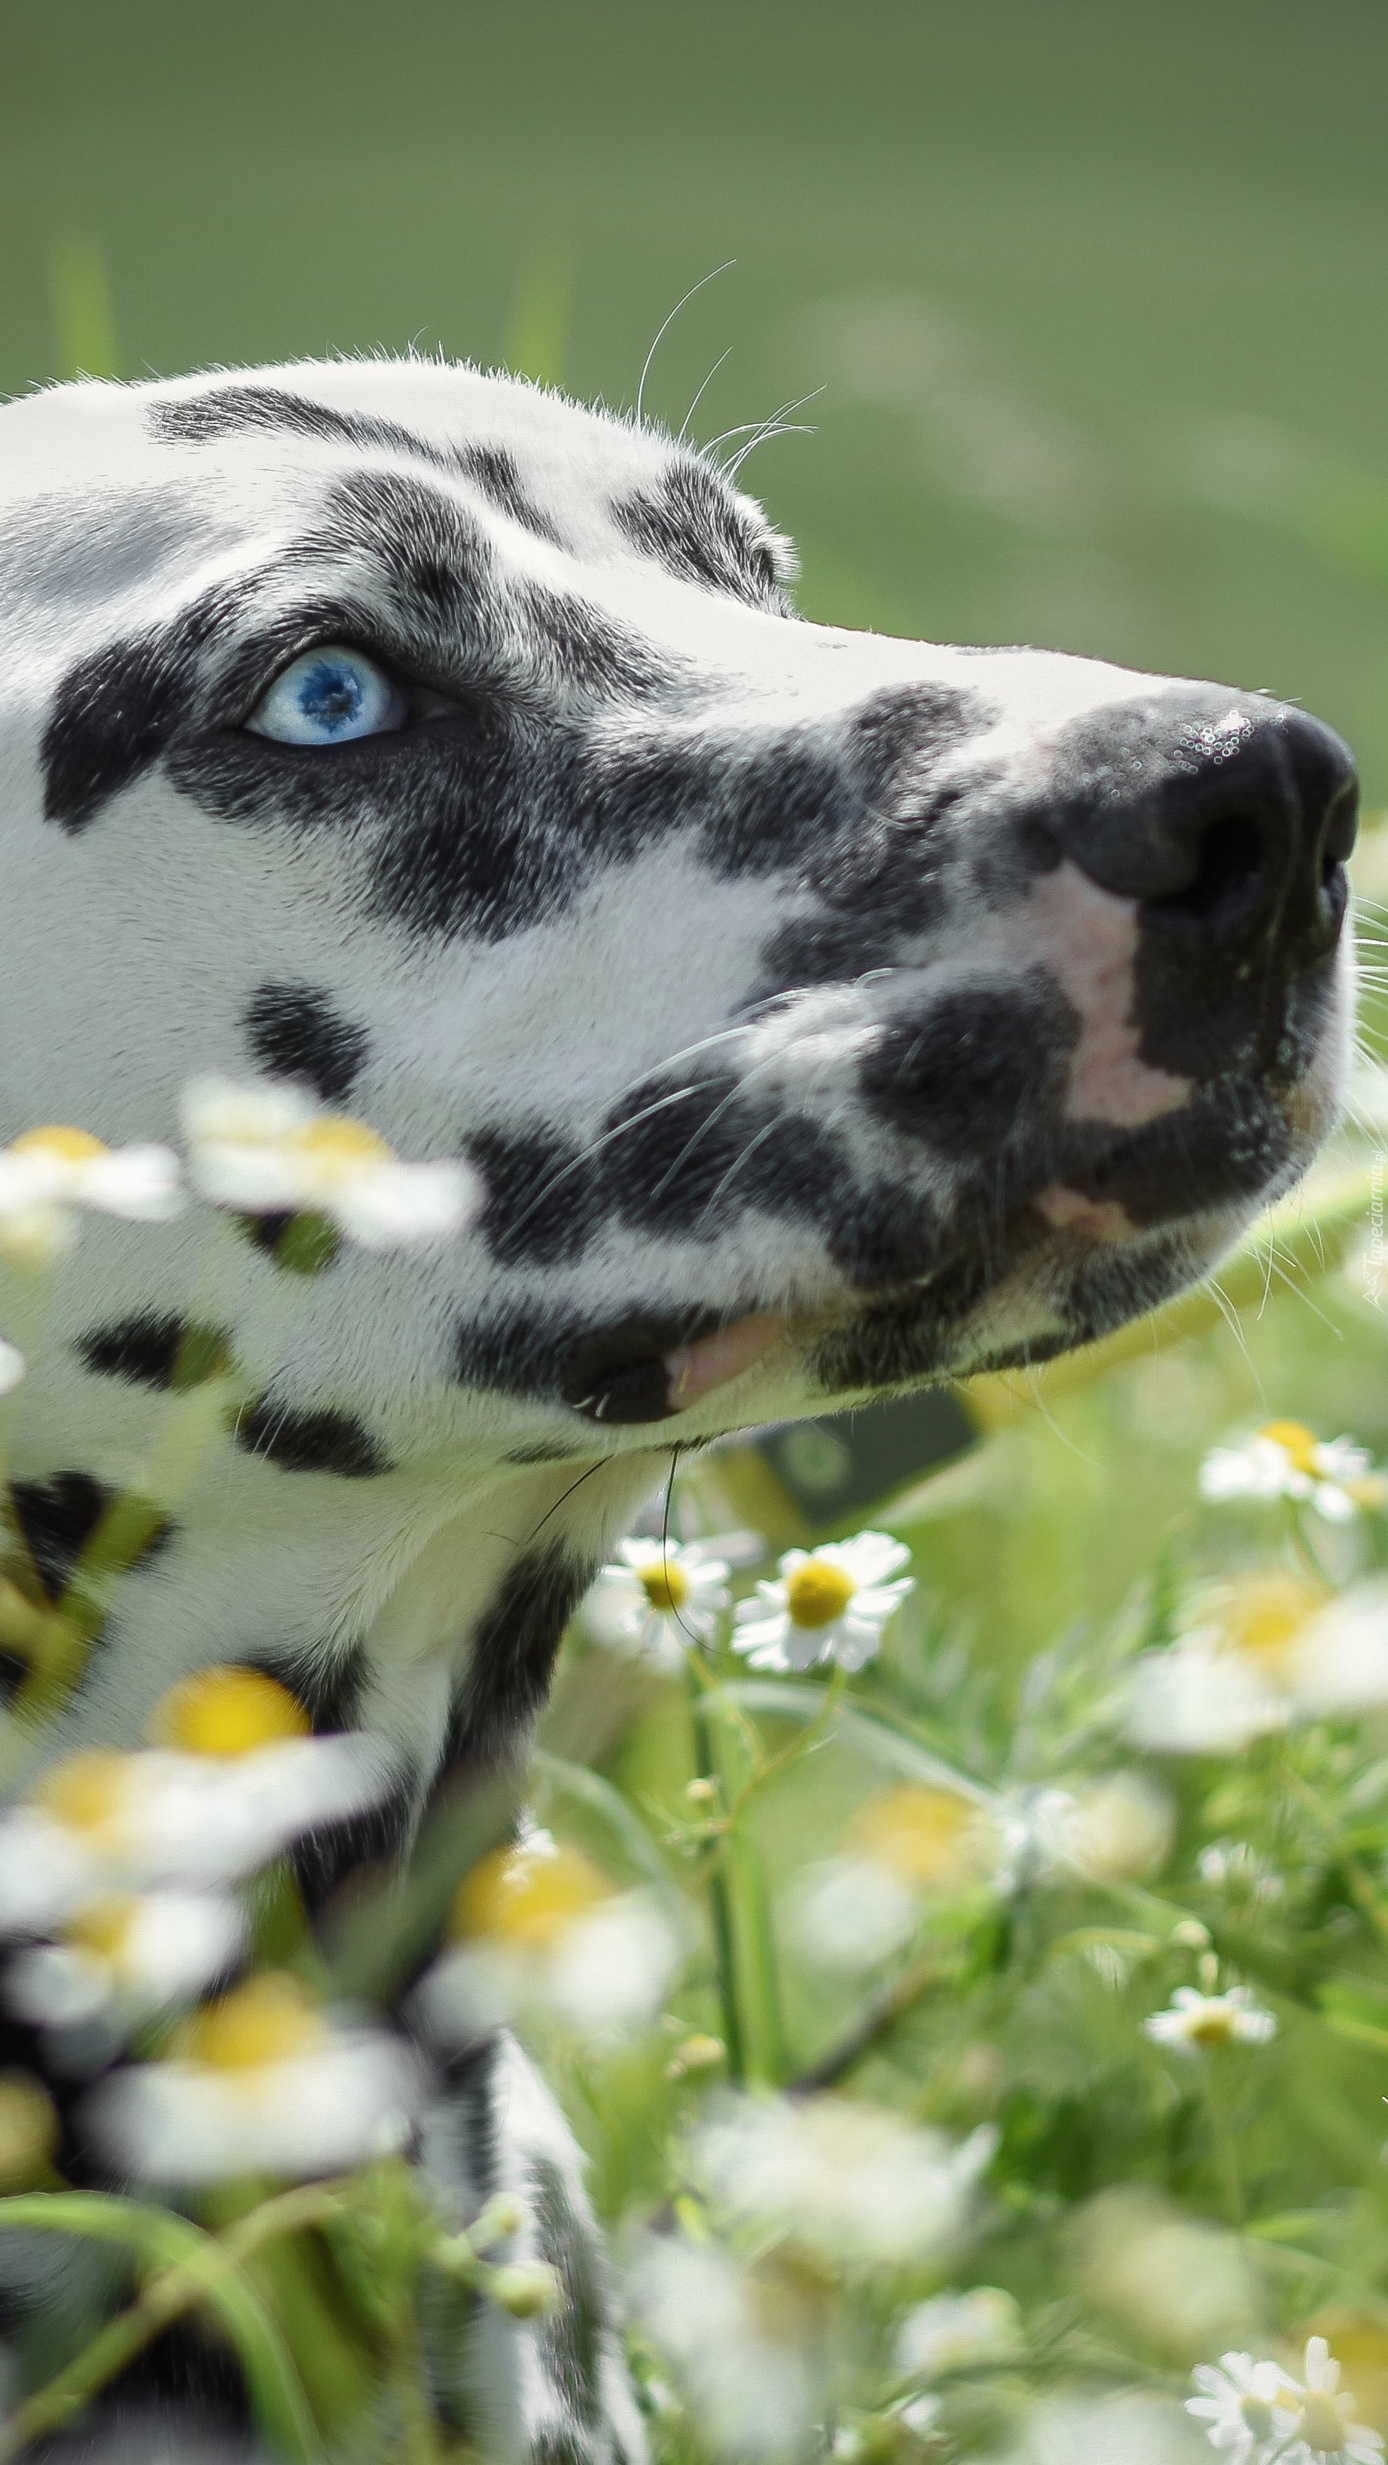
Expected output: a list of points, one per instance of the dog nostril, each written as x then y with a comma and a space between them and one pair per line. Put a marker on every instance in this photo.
1231, 858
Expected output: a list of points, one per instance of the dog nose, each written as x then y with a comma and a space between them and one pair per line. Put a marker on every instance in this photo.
1227, 815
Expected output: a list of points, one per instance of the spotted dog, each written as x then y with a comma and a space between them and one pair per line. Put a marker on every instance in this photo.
823, 1013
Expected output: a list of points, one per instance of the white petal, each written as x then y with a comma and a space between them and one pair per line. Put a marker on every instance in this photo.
12, 1367
142, 1183
178, 2122
262, 1180
57, 1985
1333, 1503
399, 1204
228, 1111
45, 1870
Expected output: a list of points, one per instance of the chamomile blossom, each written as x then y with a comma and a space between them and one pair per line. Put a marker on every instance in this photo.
1193, 2022
122, 1960
47, 1173
262, 2081
267, 1149
1237, 2403
232, 1779
959, 2332
664, 1595
1255, 2410
846, 2181
537, 1930
1284, 1459
829, 1604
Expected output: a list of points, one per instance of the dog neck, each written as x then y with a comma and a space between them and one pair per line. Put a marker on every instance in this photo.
426, 1606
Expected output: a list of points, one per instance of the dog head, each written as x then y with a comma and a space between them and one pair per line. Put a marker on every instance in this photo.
824, 1013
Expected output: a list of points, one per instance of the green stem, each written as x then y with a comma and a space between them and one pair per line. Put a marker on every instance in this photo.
756, 1941
211, 2270
720, 1898
1222, 2136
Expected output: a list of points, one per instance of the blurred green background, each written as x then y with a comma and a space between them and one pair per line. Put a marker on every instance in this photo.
1095, 290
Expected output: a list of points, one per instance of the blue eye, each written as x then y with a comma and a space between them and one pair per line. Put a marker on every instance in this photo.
326, 698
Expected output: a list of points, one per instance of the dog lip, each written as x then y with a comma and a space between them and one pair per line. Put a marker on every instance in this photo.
646, 1368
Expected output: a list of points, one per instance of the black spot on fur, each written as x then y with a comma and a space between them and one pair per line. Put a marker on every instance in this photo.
115, 712
157, 1351
540, 1199
314, 1441
325, 1859
472, 2109
571, 2334
59, 1518
495, 470
513, 1655
239, 410
295, 1032
975, 1067
897, 735
1229, 1145
691, 522
559, 2447
687, 1159
55, 1524
328, 1684
587, 651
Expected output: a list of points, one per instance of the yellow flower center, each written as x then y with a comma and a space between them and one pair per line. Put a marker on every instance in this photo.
340, 1147
86, 1791
1262, 1615
103, 1927
268, 2020
527, 1897
1212, 2027
227, 1711
56, 1139
1322, 2424
1298, 1443
818, 1592
665, 1585
930, 1838
29, 2128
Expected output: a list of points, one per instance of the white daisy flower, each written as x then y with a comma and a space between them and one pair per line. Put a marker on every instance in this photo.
848, 2182
1337, 1662
829, 1604
261, 2082
957, 2332
1237, 2403
1195, 2021
1284, 1459
1115, 1830
1256, 2410
271, 1150
1228, 1678
48, 1172
1316, 2419
663, 1596
537, 1931
123, 1960
746, 2373
234, 1779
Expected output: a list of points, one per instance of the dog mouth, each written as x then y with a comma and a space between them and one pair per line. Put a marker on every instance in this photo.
1094, 1236
649, 1369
